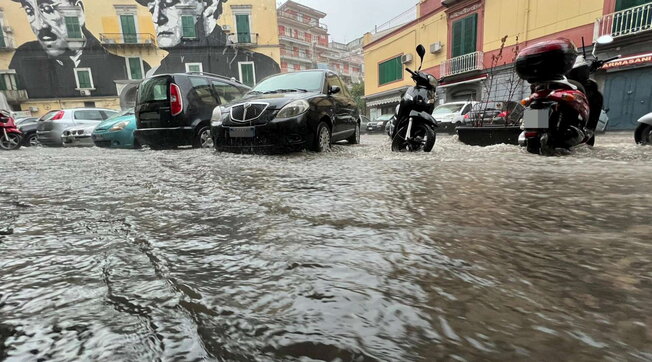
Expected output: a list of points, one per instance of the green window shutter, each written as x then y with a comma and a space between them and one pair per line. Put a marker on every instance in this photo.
457, 39
465, 36
72, 27
242, 26
390, 71
3, 84
247, 74
188, 26
627, 4
129, 29
84, 79
135, 68
194, 68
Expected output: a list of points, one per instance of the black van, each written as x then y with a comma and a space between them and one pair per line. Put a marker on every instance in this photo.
175, 109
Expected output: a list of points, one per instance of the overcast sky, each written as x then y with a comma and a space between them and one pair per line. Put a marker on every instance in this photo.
350, 19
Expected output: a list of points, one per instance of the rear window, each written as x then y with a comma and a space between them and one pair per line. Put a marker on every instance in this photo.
89, 115
153, 90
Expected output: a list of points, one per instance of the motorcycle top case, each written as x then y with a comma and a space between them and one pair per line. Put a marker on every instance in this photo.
546, 60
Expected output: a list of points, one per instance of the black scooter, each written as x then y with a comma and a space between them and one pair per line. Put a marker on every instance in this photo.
414, 128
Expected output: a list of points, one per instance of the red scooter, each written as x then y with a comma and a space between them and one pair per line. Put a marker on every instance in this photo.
11, 137
565, 104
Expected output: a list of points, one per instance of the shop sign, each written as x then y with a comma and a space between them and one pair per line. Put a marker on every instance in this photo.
625, 62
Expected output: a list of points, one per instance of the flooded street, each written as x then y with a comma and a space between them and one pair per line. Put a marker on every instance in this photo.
359, 254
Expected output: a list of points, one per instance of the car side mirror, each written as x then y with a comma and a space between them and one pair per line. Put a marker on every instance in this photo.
334, 90
606, 110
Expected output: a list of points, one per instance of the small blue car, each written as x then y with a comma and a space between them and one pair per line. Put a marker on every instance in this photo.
117, 131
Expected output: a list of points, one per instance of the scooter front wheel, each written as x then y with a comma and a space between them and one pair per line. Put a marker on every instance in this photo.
422, 139
10, 142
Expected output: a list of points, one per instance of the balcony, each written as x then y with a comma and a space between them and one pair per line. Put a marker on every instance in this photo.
296, 57
626, 22
294, 40
462, 64
139, 39
15, 96
245, 40
312, 23
7, 43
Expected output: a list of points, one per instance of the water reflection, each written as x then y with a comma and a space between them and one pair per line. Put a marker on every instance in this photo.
359, 254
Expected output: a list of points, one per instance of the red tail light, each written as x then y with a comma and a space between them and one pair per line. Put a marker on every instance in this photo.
58, 116
531, 134
466, 116
503, 114
176, 102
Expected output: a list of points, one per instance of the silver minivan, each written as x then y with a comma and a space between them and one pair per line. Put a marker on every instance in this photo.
52, 124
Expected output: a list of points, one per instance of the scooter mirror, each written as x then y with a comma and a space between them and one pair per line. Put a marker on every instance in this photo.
605, 39
422, 52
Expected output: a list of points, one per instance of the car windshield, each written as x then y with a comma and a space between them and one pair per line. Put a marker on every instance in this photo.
126, 112
385, 117
289, 82
448, 108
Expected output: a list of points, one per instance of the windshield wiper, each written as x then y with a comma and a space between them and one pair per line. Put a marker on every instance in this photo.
289, 90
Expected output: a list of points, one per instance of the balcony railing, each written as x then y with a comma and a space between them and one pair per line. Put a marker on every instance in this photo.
296, 56
625, 22
462, 64
127, 39
294, 39
245, 39
310, 23
15, 96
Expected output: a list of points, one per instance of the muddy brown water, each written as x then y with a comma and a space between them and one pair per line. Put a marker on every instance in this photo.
359, 254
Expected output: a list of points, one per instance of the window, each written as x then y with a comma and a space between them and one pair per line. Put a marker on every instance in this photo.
465, 36
225, 92
8, 81
89, 104
390, 71
134, 68
629, 21
627, 4
333, 80
72, 27
201, 92
84, 78
194, 67
129, 32
89, 115
247, 73
243, 27
188, 26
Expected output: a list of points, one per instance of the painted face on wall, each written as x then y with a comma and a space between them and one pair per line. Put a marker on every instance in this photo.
166, 15
48, 23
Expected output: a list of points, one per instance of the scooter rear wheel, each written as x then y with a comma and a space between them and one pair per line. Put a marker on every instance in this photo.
11, 142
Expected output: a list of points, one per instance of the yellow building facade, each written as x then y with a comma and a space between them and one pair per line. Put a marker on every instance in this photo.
463, 39
94, 53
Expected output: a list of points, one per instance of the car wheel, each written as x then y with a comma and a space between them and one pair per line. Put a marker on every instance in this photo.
32, 141
643, 135
322, 140
203, 138
355, 137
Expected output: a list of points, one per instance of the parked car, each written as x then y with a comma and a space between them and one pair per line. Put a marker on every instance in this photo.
378, 125
175, 109
496, 113
451, 115
364, 121
290, 111
78, 136
28, 126
52, 124
117, 131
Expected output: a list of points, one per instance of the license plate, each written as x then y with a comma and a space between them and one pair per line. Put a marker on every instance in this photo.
536, 118
242, 132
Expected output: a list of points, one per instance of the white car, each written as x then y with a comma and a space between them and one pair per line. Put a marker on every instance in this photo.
78, 136
451, 115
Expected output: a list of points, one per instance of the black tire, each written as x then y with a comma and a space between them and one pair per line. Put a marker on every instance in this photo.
533, 146
203, 138
643, 134
322, 138
136, 145
425, 136
13, 141
31, 140
355, 137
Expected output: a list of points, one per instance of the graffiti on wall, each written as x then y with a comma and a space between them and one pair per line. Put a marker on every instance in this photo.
67, 59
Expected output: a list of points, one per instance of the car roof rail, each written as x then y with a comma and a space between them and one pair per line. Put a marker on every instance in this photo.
233, 79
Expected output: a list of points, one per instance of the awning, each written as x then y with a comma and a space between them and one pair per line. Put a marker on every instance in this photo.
383, 101
465, 81
387, 97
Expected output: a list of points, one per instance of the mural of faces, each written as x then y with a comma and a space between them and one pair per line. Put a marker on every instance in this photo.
48, 23
166, 15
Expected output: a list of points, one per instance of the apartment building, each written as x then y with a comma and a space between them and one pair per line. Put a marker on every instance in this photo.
472, 45
96, 54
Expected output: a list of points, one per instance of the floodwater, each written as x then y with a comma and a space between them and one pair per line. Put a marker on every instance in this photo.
359, 254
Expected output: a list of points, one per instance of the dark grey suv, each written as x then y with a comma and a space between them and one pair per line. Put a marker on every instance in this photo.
175, 109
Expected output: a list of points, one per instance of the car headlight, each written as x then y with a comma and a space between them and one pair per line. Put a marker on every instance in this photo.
216, 118
294, 109
119, 126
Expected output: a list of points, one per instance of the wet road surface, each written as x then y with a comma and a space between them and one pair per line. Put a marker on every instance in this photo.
359, 254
